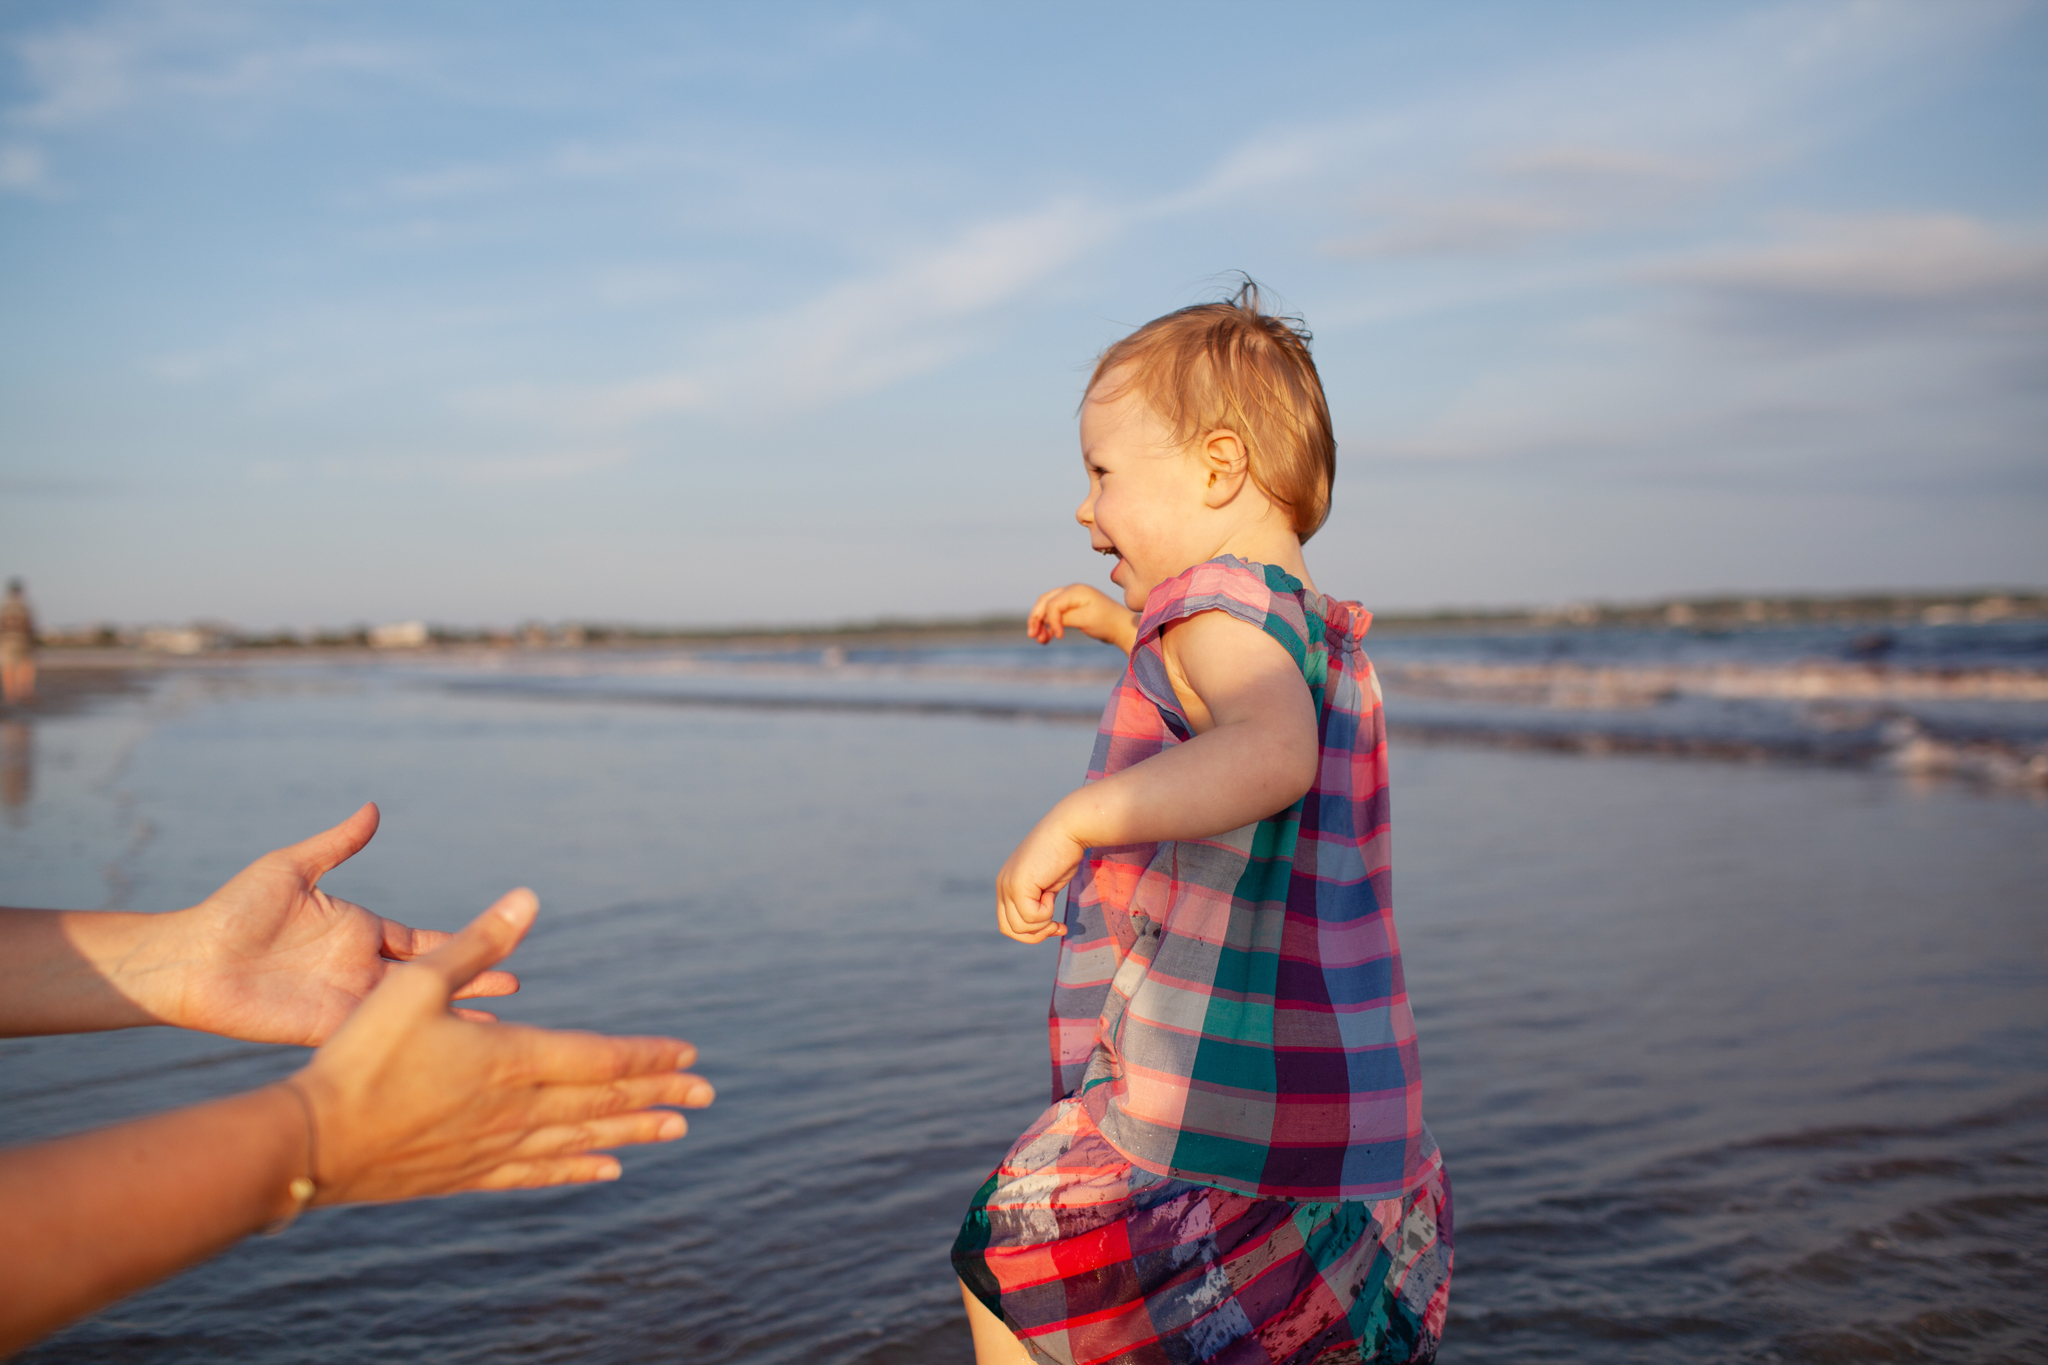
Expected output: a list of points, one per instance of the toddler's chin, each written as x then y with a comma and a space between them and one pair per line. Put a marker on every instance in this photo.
1126, 578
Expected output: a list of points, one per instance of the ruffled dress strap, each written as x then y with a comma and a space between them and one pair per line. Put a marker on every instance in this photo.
1260, 595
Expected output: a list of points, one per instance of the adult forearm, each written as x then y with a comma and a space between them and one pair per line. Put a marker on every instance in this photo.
71, 971
101, 1214
1218, 781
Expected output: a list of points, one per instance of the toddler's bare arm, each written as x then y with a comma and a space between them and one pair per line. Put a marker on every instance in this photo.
1255, 752
1086, 609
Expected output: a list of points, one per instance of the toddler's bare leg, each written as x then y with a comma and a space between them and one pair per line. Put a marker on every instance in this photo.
994, 1344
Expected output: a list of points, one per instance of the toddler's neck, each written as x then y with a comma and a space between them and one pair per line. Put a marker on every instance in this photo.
1263, 543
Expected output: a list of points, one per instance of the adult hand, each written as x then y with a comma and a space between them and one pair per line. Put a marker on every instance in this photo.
410, 1098
272, 958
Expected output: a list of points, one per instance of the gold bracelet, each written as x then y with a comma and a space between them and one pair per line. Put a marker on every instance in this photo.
302, 1187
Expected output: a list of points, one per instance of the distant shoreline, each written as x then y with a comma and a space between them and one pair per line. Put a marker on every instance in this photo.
121, 646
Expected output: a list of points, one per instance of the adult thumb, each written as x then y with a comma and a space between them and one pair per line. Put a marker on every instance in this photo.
485, 941
330, 848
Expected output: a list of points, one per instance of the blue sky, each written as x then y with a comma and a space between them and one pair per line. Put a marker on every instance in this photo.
324, 313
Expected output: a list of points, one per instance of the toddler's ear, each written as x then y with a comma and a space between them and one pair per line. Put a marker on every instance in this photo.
1228, 465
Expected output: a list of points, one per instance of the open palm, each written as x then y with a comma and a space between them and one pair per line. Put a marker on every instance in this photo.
272, 958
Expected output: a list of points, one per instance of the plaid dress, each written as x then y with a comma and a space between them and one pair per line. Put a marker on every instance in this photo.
1235, 1166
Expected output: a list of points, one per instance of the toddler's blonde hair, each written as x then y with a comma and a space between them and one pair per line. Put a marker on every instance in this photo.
1232, 365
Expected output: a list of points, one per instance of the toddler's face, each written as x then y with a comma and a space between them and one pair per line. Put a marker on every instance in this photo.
1145, 494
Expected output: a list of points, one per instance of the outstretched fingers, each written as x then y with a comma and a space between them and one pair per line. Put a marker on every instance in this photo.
403, 943
533, 1175
601, 1135
489, 984
568, 1057
569, 1104
462, 959
577, 1123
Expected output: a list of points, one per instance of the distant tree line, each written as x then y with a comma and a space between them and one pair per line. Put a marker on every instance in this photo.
1716, 613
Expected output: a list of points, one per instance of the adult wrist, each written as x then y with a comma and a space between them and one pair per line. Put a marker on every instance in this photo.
335, 1139
302, 1188
159, 972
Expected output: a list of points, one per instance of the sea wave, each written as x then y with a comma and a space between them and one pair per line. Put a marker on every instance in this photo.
1987, 726
1581, 687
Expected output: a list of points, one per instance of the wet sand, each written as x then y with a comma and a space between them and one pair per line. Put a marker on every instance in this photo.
65, 686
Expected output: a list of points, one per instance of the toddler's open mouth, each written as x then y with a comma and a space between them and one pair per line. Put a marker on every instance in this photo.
1118, 567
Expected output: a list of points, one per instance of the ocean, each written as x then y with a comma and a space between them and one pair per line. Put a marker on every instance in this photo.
1728, 955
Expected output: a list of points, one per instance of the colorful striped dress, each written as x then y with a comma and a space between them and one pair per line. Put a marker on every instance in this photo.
1235, 1166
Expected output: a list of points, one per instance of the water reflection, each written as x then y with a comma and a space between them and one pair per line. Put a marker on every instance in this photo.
17, 769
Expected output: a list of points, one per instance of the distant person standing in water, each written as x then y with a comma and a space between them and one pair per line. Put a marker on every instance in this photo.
17, 647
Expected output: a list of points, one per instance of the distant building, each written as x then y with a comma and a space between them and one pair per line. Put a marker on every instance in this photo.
1992, 609
399, 635
195, 639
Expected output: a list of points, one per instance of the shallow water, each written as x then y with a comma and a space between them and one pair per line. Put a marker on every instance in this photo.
1729, 1062
1968, 700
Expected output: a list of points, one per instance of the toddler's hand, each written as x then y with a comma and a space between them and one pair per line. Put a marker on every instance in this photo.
1086, 609
1028, 888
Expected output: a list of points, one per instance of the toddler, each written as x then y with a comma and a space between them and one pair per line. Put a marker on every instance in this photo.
1235, 1166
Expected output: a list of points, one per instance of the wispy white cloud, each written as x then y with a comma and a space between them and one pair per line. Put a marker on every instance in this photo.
79, 72
139, 56
536, 467
1628, 138
568, 163
1622, 141
150, 58
1446, 228
920, 313
904, 321
1854, 349
1465, 173
1531, 194
380, 466
1598, 169
192, 365
33, 486
1864, 280
154, 58
24, 170
1268, 161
